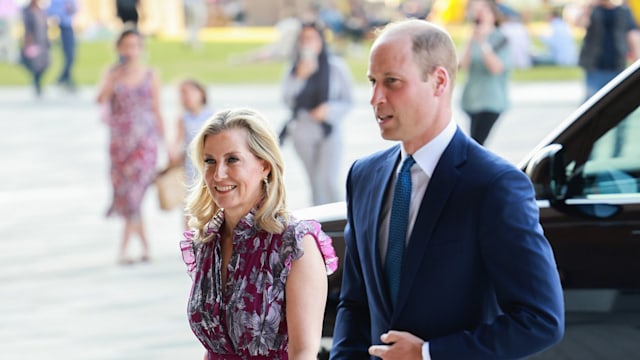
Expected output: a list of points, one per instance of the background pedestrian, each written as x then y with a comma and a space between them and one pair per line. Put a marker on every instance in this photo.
63, 12
131, 90
195, 111
318, 92
610, 37
486, 58
35, 43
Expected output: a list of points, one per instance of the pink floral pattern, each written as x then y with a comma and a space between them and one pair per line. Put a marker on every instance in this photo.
133, 146
247, 319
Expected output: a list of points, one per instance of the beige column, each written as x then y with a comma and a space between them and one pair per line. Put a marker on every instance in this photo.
96, 12
158, 17
162, 17
268, 12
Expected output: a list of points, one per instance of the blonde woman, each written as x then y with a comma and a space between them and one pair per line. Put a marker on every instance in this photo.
259, 275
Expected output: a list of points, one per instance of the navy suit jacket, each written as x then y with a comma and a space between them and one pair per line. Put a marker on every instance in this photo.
479, 280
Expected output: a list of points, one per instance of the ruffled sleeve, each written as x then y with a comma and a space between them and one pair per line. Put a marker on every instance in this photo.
188, 252
324, 242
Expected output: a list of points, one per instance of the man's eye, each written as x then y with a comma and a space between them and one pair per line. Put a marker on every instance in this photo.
391, 81
372, 82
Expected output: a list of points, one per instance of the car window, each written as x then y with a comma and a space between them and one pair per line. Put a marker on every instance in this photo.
612, 165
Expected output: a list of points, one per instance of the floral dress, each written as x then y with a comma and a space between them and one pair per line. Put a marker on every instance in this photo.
133, 146
248, 319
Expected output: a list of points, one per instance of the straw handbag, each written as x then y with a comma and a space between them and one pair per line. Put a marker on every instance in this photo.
170, 183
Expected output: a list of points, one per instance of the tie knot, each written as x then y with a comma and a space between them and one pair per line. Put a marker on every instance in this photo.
407, 163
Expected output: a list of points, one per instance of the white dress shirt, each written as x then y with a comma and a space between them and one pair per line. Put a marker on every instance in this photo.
426, 158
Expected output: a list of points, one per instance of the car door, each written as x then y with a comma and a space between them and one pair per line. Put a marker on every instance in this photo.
590, 200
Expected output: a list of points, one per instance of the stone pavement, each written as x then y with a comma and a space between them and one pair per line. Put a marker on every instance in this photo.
61, 294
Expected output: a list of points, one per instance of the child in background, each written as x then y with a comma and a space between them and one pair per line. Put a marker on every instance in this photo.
195, 110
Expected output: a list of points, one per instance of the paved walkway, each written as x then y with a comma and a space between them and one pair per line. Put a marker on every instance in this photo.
61, 294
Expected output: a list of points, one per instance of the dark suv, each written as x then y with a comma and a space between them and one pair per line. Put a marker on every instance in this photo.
586, 174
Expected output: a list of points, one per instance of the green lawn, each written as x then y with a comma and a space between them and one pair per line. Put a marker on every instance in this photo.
172, 59
210, 65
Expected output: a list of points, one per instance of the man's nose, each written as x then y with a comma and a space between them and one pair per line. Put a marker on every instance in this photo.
377, 95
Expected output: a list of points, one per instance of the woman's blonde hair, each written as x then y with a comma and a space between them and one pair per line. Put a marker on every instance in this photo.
271, 216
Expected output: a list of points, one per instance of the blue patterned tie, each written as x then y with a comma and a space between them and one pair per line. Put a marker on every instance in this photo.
398, 223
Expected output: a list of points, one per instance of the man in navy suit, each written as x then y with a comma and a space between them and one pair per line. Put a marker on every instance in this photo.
478, 278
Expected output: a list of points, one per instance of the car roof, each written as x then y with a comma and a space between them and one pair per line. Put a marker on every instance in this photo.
627, 78
323, 213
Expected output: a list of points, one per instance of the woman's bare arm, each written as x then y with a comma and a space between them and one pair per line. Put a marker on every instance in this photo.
306, 296
105, 89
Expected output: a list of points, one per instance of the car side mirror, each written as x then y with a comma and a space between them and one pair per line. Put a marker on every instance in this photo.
547, 173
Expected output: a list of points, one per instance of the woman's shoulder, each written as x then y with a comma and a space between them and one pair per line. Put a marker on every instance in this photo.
187, 249
301, 228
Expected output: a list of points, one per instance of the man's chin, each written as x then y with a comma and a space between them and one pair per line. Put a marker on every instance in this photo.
388, 135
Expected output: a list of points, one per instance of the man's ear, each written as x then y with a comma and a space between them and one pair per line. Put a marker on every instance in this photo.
441, 80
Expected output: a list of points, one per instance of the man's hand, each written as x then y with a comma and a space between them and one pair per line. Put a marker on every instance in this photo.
401, 346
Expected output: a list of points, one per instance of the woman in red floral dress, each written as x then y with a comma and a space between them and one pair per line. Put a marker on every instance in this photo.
130, 91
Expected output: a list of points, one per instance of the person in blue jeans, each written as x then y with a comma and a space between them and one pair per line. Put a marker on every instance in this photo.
609, 39
63, 11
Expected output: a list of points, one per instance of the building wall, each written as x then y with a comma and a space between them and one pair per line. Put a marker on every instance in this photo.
160, 17
166, 17
268, 12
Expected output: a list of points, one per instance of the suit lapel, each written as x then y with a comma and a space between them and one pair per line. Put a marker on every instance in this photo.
381, 179
442, 183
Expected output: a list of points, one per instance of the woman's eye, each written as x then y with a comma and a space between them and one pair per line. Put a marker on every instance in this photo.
209, 162
232, 159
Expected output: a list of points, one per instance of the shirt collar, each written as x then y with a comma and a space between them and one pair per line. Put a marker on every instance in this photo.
428, 155
244, 225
